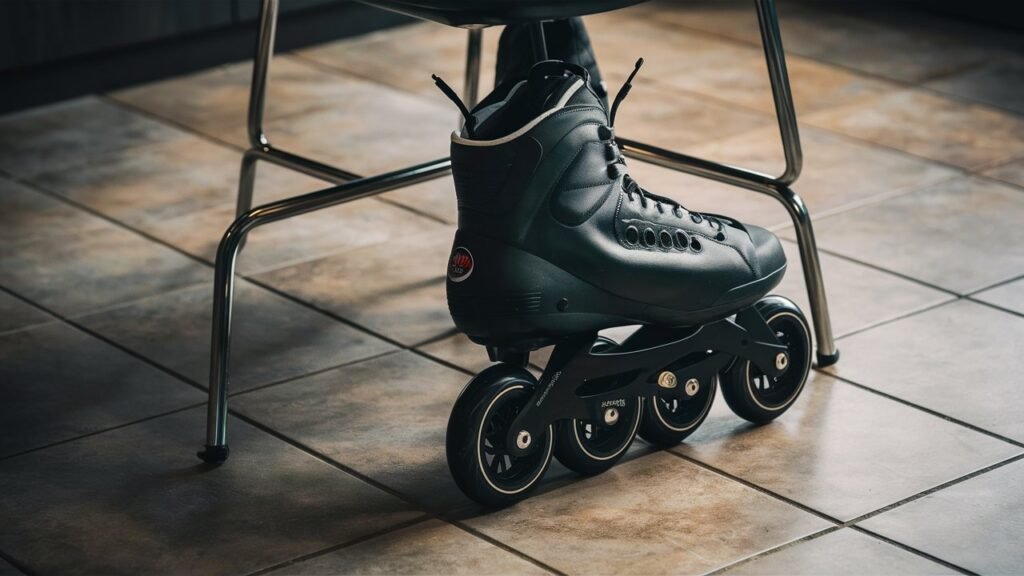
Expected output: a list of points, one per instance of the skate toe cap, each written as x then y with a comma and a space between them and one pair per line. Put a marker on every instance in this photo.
768, 252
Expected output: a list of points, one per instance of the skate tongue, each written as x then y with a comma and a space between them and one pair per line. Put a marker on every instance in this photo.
547, 86
548, 82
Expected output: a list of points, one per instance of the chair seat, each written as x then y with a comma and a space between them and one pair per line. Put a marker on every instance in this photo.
496, 12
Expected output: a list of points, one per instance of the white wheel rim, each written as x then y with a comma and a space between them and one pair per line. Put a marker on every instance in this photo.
480, 457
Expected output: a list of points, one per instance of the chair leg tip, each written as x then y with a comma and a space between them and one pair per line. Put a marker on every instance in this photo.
214, 454
827, 359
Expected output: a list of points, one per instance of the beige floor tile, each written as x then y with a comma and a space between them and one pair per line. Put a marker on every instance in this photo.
432, 547
977, 524
16, 314
744, 81
272, 338
376, 130
843, 552
57, 383
970, 136
961, 234
77, 262
385, 418
184, 192
843, 451
334, 230
136, 500
837, 172
858, 296
395, 288
1009, 296
838, 35
628, 521
679, 121
668, 52
459, 350
72, 133
999, 83
926, 358
435, 198
157, 182
215, 102
405, 57
29, 217
1012, 172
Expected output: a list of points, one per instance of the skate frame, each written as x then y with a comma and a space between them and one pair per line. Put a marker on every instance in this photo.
349, 186
635, 365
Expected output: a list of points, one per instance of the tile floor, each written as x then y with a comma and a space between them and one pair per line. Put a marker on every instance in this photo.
906, 458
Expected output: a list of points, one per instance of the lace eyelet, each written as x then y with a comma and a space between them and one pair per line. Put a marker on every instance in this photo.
649, 237
695, 244
666, 239
632, 235
682, 242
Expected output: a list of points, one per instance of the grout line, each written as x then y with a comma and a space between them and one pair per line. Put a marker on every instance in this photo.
924, 409
316, 372
380, 486
169, 122
898, 317
995, 306
770, 551
996, 285
224, 143
936, 488
17, 564
756, 487
383, 532
102, 431
914, 551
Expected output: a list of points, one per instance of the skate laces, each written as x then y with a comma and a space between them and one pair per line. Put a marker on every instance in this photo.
631, 186
450, 93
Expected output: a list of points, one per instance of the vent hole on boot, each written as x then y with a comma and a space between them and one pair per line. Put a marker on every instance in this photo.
666, 239
649, 238
695, 244
720, 236
632, 235
681, 240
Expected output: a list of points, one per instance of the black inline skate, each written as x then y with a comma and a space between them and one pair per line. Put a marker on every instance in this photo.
556, 242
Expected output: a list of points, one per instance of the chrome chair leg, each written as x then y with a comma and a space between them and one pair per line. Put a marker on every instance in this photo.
216, 449
474, 55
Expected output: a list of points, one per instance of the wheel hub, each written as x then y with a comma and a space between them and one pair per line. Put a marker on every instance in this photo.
523, 440
611, 416
667, 380
781, 361
692, 387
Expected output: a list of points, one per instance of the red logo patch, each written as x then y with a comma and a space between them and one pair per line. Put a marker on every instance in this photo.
460, 265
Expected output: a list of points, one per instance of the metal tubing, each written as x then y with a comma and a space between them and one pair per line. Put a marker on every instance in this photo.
474, 51
260, 68
224, 276
540, 44
246, 183
771, 39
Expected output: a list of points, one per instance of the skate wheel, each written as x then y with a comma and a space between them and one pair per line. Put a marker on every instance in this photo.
760, 398
477, 458
671, 416
590, 447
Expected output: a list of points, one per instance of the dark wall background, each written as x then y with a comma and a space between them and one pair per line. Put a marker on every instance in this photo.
56, 49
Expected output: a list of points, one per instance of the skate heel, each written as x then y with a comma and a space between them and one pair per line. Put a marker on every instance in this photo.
501, 295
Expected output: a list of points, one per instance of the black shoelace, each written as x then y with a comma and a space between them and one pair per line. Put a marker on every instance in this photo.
630, 185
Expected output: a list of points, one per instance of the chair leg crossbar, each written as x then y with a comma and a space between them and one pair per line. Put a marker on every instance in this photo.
349, 186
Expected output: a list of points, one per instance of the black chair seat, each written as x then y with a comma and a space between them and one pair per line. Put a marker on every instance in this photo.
497, 12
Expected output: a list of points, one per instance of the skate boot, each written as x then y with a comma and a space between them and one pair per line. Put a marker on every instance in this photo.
555, 242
